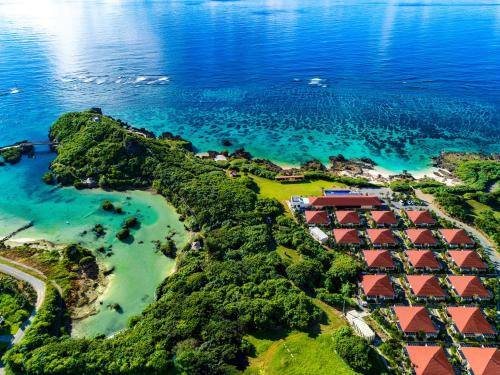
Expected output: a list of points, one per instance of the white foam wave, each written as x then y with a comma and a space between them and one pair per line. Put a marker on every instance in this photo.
14, 90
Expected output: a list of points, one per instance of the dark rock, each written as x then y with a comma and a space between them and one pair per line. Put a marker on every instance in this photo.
226, 143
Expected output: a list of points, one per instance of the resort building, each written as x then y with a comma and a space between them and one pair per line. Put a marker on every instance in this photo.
381, 237
469, 288
423, 260
377, 287
359, 325
384, 218
429, 360
346, 237
425, 287
412, 320
456, 238
317, 218
344, 201
296, 203
379, 259
290, 178
481, 361
470, 322
318, 235
467, 260
421, 218
421, 237
347, 218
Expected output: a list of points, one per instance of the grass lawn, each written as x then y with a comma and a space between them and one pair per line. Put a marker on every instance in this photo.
478, 207
298, 353
283, 192
288, 255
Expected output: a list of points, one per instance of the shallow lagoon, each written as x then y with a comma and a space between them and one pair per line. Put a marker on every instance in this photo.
62, 215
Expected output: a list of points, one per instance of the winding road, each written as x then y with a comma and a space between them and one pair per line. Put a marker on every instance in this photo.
37, 283
486, 244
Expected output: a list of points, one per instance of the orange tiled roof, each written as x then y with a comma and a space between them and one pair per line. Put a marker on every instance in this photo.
483, 361
384, 217
346, 236
467, 259
345, 201
413, 319
470, 320
377, 285
421, 236
317, 217
381, 236
468, 286
425, 286
422, 259
420, 217
347, 217
429, 360
456, 237
378, 258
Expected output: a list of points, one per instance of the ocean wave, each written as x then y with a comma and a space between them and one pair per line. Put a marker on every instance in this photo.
317, 82
119, 80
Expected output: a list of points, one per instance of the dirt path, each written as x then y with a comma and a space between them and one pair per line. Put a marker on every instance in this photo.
487, 245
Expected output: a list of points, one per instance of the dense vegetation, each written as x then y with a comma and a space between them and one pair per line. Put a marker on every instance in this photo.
234, 285
17, 299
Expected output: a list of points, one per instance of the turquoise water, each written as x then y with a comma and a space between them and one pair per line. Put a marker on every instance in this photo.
62, 215
396, 81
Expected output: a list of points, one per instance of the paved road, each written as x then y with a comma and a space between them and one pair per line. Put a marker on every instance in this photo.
37, 284
486, 244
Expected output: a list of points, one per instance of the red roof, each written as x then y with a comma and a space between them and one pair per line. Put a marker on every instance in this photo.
345, 201
467, 259
381, 236
413, 319
483, 361
422, 259
384, 217
377, 285
425, 286
456, 237
317, 217
346, 236
429, 360
420, 217
470, 320
421, 236
347, 217
378, 258
468, 286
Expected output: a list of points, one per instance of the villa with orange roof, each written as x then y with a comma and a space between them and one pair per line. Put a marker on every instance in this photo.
346, 237
429, 360
377, 287
421, 218
469, 288
347, 218
317, 217
379, 259
481, 361
412, 320
467, 260
423, 260
425, 287
384, 218
421, 237
469, 321
381, 237
456, 238
344, 201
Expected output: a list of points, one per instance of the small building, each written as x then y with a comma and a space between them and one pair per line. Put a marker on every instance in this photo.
317, 217
481, 361
360, 326
421, 237
426, 287
291, 178
413, 320
379, 259
318, 235
377, 287
381, 237
346, 237
384, 218
467, 260
220, 157
456, 238
423, 260
347, 218
296, 203
421, 218
469, 288
345, 201
429, 360
470, 322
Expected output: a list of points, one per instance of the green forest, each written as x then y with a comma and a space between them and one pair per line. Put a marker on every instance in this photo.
235, 285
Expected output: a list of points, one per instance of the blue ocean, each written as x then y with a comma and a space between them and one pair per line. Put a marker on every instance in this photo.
290, 80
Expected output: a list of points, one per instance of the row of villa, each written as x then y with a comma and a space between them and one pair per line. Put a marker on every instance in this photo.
441, 272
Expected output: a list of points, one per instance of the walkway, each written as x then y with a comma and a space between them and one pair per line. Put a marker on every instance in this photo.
486, 244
